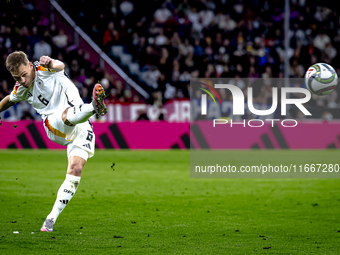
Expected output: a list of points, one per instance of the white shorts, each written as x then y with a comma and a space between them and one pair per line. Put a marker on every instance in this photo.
80, 139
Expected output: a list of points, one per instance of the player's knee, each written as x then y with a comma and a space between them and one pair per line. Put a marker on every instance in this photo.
64, 117
75, 169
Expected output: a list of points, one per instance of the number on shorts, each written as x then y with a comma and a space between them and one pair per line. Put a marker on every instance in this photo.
89, 135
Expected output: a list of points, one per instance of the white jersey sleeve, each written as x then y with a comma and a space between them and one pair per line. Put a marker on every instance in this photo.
71, 93
19, 93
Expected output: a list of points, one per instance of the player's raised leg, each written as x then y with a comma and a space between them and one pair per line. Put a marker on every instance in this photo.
81, 113
66, 190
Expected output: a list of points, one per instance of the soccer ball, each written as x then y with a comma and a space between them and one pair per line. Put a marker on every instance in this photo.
321, 79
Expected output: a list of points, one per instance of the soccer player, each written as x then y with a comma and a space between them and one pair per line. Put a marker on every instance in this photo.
46, 86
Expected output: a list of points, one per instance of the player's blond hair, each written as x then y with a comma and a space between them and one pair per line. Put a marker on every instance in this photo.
15, 60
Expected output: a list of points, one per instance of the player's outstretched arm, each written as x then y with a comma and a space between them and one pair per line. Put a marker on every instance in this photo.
5, 103
52, 64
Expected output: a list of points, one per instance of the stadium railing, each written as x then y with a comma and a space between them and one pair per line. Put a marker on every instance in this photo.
58, 16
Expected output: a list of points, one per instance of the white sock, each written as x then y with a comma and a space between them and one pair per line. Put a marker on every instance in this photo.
65, 193
80, 113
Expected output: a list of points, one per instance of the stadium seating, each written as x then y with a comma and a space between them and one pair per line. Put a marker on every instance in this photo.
161, 47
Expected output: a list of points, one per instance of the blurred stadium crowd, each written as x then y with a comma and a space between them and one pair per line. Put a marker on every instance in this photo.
165, 44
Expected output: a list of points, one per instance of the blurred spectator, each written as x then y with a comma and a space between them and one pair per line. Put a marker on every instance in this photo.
207, 16
162, 14
225, 23
238, 81
326, 115
111, 36
161, 39
296, 69
300, 115
34, 37
27, 115
42, 48
321, 40
60, 40
142, 116
126, 7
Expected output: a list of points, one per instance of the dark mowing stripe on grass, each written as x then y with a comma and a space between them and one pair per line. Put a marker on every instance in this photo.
24, 142
118, 136
199, 137
36, 136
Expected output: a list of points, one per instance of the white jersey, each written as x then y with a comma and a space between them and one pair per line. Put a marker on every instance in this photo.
50, 92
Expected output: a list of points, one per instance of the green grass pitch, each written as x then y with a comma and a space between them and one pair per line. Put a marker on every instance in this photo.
149, 205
